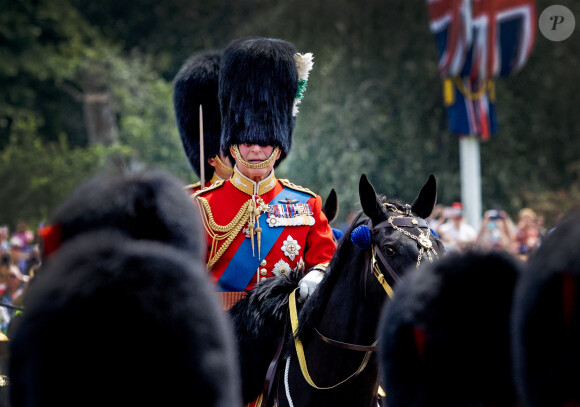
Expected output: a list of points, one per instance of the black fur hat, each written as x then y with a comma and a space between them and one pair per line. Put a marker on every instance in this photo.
119, 322
445, 336
196, 84
144, 205
546, 320
257, 87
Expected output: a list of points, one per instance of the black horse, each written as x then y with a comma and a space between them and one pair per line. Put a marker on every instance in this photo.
330, 360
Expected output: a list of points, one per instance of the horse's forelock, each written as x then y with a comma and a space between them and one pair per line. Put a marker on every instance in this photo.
388, 207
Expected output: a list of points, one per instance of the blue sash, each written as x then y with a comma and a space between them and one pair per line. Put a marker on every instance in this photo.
243, 266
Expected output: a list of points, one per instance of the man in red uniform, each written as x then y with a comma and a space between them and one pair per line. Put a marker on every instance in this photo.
259, 226
196, 84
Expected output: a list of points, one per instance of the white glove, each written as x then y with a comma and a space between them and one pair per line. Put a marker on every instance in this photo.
309, 283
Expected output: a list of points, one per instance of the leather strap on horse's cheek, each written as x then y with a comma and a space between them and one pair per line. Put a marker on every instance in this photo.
568, 296
381, 279
365, 274
387, 265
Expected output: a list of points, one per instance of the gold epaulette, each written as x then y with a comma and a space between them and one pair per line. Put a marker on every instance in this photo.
207, 189
295, 187
190, 187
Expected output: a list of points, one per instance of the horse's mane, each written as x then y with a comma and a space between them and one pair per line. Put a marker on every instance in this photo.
310, 313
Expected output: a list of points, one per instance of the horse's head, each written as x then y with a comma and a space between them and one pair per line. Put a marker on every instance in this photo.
374, 252
396, 236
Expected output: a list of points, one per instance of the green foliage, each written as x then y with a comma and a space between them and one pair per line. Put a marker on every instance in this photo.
143, 104
169, 32
147, 124
37, 176
371, 106
41, 43
373, 103
534, 160
53, 60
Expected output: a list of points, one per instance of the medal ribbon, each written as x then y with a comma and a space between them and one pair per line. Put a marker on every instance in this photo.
243, 266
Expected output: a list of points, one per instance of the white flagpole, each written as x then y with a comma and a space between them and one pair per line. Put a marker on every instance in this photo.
201, 154
470, 168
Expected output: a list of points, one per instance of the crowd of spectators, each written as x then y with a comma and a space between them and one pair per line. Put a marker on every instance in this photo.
498, 230
19, 257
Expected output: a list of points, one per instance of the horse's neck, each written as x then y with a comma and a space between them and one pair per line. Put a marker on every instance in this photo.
348, 315
345, 318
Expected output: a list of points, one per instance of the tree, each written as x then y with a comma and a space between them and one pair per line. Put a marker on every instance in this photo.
373, 102
41, 43
37, 176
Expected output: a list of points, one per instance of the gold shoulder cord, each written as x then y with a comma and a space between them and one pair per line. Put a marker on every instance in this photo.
207, 189
218, 233
189, 187
295, 187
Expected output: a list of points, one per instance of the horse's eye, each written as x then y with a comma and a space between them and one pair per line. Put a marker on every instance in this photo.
389, 251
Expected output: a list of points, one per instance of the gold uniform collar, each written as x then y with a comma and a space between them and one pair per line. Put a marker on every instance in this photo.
215, 178
250, 187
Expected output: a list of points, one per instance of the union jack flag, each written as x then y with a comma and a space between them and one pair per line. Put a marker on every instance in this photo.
450, 21
479, 40
503, 36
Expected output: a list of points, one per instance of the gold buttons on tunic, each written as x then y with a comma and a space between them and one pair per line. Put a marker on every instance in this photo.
263, 263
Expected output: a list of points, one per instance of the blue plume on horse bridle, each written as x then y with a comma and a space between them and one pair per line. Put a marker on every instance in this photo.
361, 237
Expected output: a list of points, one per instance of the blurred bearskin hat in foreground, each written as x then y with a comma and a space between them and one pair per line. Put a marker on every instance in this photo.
196, 84
258, 90
445, 336
546, 318
121, 322
142, 204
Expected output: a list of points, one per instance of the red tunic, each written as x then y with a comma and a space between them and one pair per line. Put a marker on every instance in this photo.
295, 232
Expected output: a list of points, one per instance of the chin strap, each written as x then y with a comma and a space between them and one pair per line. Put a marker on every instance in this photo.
225, 169
261, 165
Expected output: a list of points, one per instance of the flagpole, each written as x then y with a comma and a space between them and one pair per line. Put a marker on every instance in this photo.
470, 169
201, 150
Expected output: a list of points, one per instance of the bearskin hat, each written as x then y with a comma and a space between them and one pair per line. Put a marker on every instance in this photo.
196, 84
546, 320
257, 87
120, 322
142, 204
445, 336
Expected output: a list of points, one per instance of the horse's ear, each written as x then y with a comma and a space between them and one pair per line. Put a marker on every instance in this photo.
425, 202
330, 208
370, 202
